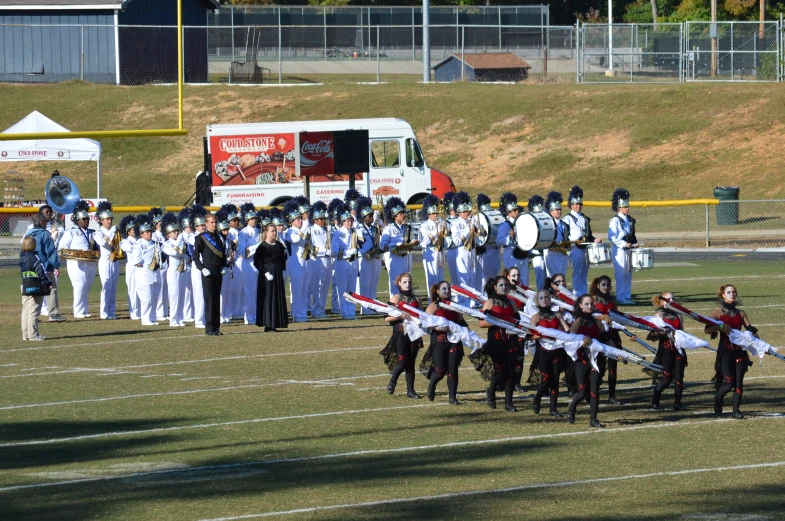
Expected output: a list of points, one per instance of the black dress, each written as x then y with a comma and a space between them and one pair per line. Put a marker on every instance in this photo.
270, 295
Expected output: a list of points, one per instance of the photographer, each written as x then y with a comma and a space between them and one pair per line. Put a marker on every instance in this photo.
33, 290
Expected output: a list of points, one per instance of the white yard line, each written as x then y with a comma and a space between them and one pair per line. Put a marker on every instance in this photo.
218, 424
518, 488
196, 361
727, 277
173, 393
488, 441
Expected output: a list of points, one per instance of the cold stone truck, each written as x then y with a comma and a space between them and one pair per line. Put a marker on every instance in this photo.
265, 163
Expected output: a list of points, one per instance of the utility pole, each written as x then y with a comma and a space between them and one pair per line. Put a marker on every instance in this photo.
762, 18
713, 34
426, 41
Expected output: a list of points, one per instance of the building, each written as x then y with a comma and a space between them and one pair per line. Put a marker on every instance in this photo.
484, 67
127, 42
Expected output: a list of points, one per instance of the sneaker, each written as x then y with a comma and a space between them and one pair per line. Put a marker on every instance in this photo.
37, 338
199, 326
189, 321
596, 424
87, 315
56, 318
679, 407
737, 415
614, 401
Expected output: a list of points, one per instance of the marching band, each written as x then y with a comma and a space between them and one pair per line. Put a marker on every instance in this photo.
576, 333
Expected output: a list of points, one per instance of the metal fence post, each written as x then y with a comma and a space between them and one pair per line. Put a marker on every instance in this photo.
378, 51
280, 51
707, 225
731, 51
463, 58
81, 62
414, 40
325, 33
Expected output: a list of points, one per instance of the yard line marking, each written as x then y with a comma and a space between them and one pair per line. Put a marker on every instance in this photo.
735, 277
518, 488
217, 424
378, 451
196, 361
172, 393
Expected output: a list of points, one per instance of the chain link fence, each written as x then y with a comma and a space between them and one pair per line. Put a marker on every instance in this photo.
733, 51
630, 53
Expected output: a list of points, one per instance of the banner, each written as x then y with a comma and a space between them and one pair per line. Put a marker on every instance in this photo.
249, 159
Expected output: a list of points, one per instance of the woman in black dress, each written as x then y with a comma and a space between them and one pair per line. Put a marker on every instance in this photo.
270, 260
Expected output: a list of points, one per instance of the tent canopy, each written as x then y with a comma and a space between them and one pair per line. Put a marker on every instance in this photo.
77, 149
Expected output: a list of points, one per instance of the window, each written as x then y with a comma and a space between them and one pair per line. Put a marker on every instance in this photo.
413, 154
385, 154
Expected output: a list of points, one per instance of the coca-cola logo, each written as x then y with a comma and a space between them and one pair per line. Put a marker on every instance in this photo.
321, 147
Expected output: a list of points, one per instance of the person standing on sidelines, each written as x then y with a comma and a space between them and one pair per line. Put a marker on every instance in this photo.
31, 266
176, 250
81, 272
210, 260
298, 239
621, 233
556, 259
129, 233
505, 237
536, 204
344, 245
198, 214
396, 242
432, 233
46, 249
108, 265
321, 263
580, 233
147, 259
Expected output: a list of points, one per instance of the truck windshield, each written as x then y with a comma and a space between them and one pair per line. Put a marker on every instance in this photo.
413, 154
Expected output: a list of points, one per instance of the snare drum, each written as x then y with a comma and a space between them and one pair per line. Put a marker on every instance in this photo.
535, 231
643, 258
598, 253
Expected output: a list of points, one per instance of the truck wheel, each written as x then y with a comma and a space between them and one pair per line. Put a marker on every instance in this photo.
280, 201
417, 199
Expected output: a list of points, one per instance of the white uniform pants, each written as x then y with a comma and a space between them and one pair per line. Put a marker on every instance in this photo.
451, 257
82, 275
467, 269
188, 297
346, 281
368, 280
321, 269
250, 279
580, 271
198, 295
335, 305
491, 264
521, 264
162, 308
110, 274
148, 286
175, 283
299, 282
236, 292
133, 299
538, 263
622, 269
433, 263
556, 262
395, 266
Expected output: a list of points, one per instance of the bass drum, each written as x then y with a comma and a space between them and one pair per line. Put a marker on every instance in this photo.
535, 231
490, 222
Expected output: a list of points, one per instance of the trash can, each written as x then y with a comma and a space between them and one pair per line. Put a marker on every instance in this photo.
728, 209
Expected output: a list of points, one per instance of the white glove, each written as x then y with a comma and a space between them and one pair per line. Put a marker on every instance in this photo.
350, 252
268, 276
205, 272
223, 271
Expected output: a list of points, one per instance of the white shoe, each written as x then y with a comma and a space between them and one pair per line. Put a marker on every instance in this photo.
162, 319
189, 321
149, 323
45, 313
136, 318
199, 326
37, 338
179, 324
83, 316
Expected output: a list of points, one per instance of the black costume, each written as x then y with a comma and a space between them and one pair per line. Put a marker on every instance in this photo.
270, 294
672, 361
503, 349
210, 253
405, 350
605, 304
731, 363
446, 355
585, 374
550, 363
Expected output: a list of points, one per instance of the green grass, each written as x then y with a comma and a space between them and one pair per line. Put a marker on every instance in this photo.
659, 141
248, 450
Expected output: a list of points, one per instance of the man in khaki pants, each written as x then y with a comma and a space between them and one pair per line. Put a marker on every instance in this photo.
47, 251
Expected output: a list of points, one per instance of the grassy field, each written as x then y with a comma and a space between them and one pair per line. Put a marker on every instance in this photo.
109, 420
659, 141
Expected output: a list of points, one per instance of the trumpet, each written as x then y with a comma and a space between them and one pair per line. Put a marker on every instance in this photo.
307, 248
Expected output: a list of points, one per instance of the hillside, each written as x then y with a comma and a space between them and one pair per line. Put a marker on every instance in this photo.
660, 142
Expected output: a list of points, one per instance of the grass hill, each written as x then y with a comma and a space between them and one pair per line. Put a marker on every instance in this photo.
660, 142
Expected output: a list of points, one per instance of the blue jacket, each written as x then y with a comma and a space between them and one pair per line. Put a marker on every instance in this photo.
45, 248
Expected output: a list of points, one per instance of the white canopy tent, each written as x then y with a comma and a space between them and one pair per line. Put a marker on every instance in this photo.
77, 149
